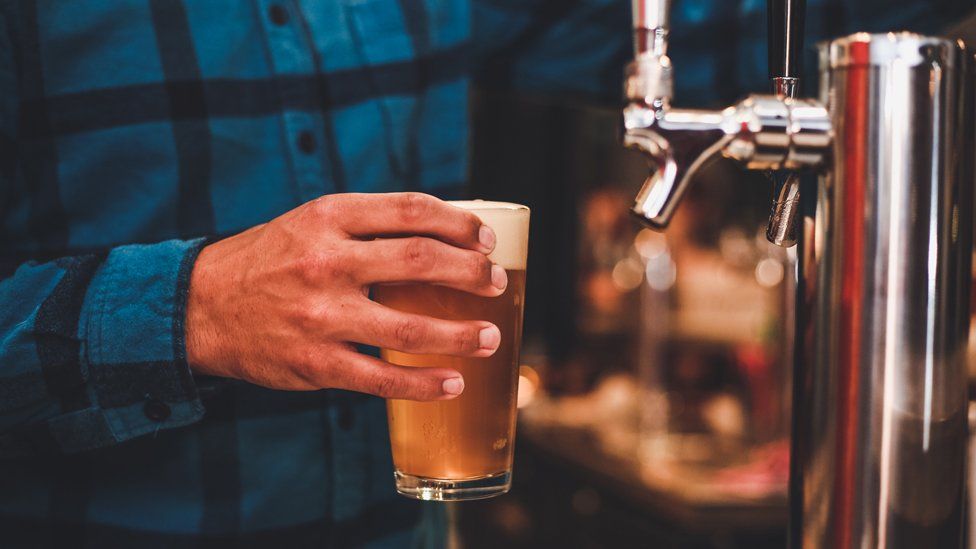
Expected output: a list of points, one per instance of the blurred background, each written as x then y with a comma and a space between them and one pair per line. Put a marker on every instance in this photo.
653, 394
655, 382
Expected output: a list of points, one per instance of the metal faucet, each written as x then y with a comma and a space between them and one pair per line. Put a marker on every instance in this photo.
883, 275
762, 132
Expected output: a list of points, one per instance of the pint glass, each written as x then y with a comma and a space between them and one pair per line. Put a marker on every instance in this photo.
461, 449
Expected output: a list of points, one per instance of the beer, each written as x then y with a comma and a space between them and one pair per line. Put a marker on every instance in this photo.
470, 436
462, 448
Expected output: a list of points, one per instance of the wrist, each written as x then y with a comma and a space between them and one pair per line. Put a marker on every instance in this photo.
201, 340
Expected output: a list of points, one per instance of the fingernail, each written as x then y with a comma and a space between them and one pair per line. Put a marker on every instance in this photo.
486, 237
498, 277
489, 338
453, 386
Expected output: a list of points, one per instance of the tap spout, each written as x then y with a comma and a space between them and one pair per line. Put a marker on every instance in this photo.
760, 132
677, 145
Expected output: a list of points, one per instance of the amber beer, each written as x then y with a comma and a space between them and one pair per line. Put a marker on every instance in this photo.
462, 448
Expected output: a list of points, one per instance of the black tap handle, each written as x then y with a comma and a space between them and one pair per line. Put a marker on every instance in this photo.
785, 21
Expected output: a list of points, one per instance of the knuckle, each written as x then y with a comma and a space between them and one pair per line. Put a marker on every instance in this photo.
418, 253
308, 266
323, 207
413, 207
303, 362
409, 334
306, 367
319, 367
304, 316
318, 316
316, 266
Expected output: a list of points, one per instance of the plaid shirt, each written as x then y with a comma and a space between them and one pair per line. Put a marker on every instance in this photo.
132, 129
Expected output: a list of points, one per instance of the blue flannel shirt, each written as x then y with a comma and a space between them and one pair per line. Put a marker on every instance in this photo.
132, 131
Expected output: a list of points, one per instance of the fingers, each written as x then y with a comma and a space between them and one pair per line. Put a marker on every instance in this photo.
391, 214
417, 334
365, 374
429, 261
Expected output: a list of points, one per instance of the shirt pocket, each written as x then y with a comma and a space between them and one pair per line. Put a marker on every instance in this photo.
386, 51
399, 44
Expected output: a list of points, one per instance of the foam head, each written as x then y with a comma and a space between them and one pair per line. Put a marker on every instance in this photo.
511, 225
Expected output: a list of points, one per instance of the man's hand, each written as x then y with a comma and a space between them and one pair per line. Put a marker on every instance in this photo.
282, 304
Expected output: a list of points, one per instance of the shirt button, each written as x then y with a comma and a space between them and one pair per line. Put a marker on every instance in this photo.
306, 142
156, 410
278, 14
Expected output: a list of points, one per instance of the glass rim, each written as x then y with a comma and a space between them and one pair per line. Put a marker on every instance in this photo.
488, 205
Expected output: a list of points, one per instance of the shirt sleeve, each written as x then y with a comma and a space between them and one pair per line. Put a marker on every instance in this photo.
92, 346
92, 349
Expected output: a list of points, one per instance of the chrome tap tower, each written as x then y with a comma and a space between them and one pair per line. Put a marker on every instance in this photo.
883, 277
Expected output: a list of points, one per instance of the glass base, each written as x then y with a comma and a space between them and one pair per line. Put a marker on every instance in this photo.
440, 489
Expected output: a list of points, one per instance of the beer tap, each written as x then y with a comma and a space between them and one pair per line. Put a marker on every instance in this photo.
763, 132
880, 316
785, 46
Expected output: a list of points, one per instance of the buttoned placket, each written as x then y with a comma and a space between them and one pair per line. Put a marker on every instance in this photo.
292, 54
292, 60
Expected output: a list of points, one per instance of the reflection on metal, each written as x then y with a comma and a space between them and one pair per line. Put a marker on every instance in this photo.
785, 19
880, 412
761, 132
882, 302
785, 209
785, 86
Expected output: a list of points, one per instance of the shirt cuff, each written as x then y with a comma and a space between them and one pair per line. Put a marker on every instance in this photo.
135, 352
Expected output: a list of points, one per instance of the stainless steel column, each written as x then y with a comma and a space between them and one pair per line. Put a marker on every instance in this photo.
883, 302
